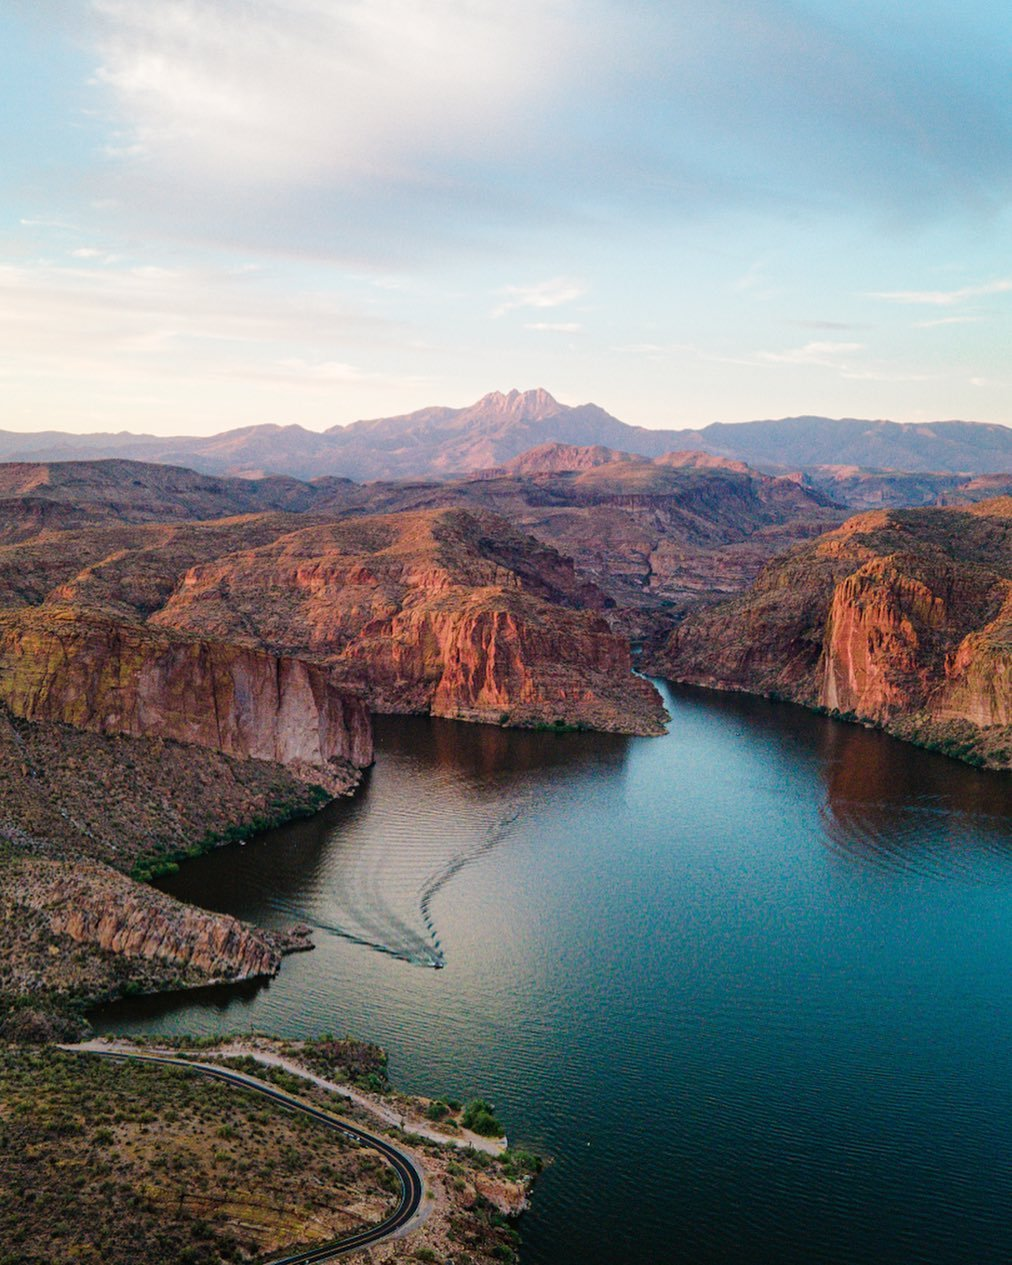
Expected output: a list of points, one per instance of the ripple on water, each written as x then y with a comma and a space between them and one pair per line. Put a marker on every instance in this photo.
734, 1051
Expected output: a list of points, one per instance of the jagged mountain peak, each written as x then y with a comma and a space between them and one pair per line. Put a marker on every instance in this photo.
532, 405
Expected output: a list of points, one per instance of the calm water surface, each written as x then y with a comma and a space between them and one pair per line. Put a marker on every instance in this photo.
748, 984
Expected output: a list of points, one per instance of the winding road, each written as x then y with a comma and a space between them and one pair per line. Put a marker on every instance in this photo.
407, 1170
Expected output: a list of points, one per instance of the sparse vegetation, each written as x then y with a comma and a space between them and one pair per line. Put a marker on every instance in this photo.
180, 1166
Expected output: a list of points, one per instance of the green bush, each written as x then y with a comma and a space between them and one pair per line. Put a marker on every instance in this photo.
479, 1117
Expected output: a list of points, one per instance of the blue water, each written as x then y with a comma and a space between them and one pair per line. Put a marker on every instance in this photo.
747, 984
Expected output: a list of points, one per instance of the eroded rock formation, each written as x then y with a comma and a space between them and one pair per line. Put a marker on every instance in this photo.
901, 618
89, 671
81, 929
445, 611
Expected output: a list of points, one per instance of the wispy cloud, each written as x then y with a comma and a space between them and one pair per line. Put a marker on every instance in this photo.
555, 327
828, 326
844, 359
947, 320
343, 121
54, 224
308, 90
542, 294
107, 321
825, 354
946, 298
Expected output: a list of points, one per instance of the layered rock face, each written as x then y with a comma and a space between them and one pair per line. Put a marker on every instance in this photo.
86, 670
444, 611
379, 600
903, 618
95, 906
83, 930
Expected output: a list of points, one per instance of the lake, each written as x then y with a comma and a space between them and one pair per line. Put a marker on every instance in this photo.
748, 984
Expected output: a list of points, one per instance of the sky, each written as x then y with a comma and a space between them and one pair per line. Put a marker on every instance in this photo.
216, 213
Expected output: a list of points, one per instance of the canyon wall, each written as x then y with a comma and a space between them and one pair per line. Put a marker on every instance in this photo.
900, 618
445, 611
95, 673
80, 930
95, 906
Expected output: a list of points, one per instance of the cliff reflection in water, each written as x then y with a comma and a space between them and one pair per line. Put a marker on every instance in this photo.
888, 805
894, 807
369, 869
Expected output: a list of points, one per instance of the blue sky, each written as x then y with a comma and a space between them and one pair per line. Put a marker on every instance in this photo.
221, 212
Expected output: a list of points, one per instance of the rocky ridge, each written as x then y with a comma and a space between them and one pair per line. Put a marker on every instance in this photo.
899, 618
446, 611
440, 441
89, 911
655, 536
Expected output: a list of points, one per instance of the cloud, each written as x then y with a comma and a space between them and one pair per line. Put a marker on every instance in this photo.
947, 320
946, 298
825, 354
840, 357
840, 326
555, 327
110, 321
303, 91
384, 130
542, 294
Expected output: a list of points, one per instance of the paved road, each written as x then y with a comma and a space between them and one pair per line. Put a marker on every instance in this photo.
403, 1165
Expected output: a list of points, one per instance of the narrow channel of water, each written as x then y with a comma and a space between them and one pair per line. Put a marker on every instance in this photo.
748, 983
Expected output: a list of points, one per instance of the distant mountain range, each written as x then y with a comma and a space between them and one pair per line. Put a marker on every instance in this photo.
439, 442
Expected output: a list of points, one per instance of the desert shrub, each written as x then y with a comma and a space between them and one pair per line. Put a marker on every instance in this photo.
479, 1117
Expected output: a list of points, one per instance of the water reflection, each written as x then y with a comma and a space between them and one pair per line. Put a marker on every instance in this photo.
888, 806
441, 796
701, 972
891, 807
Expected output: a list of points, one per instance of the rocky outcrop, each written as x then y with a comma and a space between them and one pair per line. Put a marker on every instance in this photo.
900, 618
82, 930
445, 611
555, 458
978, 685
894, 628
94, 906
87, 670
655, 537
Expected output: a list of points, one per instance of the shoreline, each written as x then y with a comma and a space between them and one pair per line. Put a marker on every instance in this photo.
463, 1184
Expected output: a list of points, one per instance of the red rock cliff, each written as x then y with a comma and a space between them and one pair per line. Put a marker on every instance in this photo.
95, 906
446, 611
903, 618
92, 672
